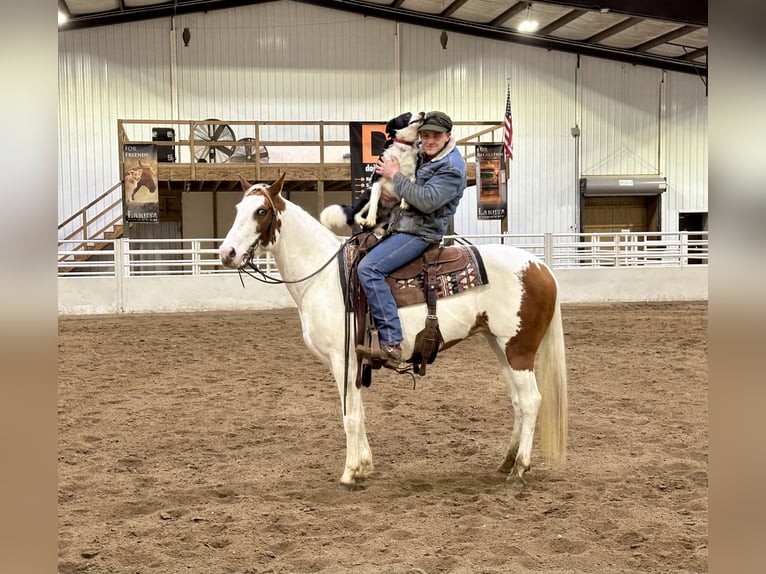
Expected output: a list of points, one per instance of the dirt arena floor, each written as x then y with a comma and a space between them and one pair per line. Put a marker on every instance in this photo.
212, 443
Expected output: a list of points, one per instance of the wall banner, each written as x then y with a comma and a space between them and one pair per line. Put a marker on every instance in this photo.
140, 184
366, 140
491, 198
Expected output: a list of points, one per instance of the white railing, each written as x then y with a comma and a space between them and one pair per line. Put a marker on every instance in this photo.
170, 257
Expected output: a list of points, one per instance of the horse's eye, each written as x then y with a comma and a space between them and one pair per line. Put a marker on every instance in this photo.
261, 212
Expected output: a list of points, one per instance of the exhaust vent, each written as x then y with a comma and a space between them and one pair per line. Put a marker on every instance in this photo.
597, 185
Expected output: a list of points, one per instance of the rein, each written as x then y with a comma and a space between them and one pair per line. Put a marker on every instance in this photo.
271, 280
405, 142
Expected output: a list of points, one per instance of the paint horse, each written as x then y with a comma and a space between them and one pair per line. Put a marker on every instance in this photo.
517, 311
145, 179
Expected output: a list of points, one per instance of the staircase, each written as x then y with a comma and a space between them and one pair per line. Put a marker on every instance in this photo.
90, 243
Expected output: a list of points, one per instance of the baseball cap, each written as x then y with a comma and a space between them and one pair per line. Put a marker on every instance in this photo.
437, 122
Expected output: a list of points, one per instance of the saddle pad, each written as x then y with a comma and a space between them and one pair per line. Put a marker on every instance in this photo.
459, 268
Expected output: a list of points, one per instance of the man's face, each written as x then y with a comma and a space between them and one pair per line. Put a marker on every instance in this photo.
433, 141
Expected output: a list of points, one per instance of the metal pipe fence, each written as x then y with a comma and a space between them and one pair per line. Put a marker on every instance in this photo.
192, 257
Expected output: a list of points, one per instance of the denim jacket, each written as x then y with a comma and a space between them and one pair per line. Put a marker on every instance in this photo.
433, 197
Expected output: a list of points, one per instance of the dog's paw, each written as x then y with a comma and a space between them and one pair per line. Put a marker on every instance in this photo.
366, 222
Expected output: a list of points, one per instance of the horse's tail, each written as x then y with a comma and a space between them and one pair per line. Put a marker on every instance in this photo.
551, 375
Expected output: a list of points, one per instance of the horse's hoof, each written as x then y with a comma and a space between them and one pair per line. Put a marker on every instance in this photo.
516, 482
351, 487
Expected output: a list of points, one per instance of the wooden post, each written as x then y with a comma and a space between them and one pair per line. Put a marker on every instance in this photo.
320, 197
320, 182
257, 152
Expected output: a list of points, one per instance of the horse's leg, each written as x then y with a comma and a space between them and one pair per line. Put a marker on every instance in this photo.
529, 404
358, 454
505, 369
526, 403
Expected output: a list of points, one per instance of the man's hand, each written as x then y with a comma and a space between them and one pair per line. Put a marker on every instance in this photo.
387, 167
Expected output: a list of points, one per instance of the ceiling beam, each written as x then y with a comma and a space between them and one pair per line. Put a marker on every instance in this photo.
124, 14
682, 11
672, 35
694, 54
508, 35
612, 30
562, 21
452, 8
509, 13
491, 30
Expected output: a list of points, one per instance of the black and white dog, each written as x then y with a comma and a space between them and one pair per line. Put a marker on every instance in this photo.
371, 211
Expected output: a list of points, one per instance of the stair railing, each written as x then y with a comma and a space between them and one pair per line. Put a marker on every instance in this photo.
86, 220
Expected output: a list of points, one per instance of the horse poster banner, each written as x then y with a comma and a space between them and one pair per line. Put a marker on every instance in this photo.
491, 199
367, 141
140, 184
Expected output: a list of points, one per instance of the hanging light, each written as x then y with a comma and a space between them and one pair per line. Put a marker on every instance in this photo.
529, 24
186, 36
443, 39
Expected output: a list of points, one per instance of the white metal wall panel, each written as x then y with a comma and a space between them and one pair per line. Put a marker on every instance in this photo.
286, 61
620, 107
291, 61
468, 81
105, 74
684, 147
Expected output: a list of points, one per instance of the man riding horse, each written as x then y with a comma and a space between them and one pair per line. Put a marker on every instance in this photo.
433, 199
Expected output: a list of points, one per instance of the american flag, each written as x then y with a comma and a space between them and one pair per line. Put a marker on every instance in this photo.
508, 127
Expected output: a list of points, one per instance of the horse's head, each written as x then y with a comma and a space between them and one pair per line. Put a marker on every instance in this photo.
146, 177
256, 225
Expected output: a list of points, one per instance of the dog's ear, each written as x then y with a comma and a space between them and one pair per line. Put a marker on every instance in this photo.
397, 123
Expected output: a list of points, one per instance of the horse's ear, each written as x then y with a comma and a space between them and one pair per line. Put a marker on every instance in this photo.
245, 184
276, 187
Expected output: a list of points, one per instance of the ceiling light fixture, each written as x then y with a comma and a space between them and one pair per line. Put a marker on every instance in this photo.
62, 18
529, 24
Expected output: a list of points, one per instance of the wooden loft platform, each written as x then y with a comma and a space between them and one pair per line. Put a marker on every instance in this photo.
314, 155
225, 176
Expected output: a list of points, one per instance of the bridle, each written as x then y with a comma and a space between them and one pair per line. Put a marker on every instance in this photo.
263, 277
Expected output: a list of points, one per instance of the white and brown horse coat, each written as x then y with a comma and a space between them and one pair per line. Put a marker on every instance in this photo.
518, 312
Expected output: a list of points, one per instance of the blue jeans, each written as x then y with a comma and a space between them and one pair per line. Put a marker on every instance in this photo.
388, 255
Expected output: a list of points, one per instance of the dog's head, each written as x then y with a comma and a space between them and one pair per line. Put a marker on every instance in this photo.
397, 123
409, 132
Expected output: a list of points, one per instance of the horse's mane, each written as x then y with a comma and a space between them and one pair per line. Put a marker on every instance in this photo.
309, 224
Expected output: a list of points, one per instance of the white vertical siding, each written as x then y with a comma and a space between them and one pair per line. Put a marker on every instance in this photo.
291, 61
620, 106
684, 147
468, 80
105, 74
286, 61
